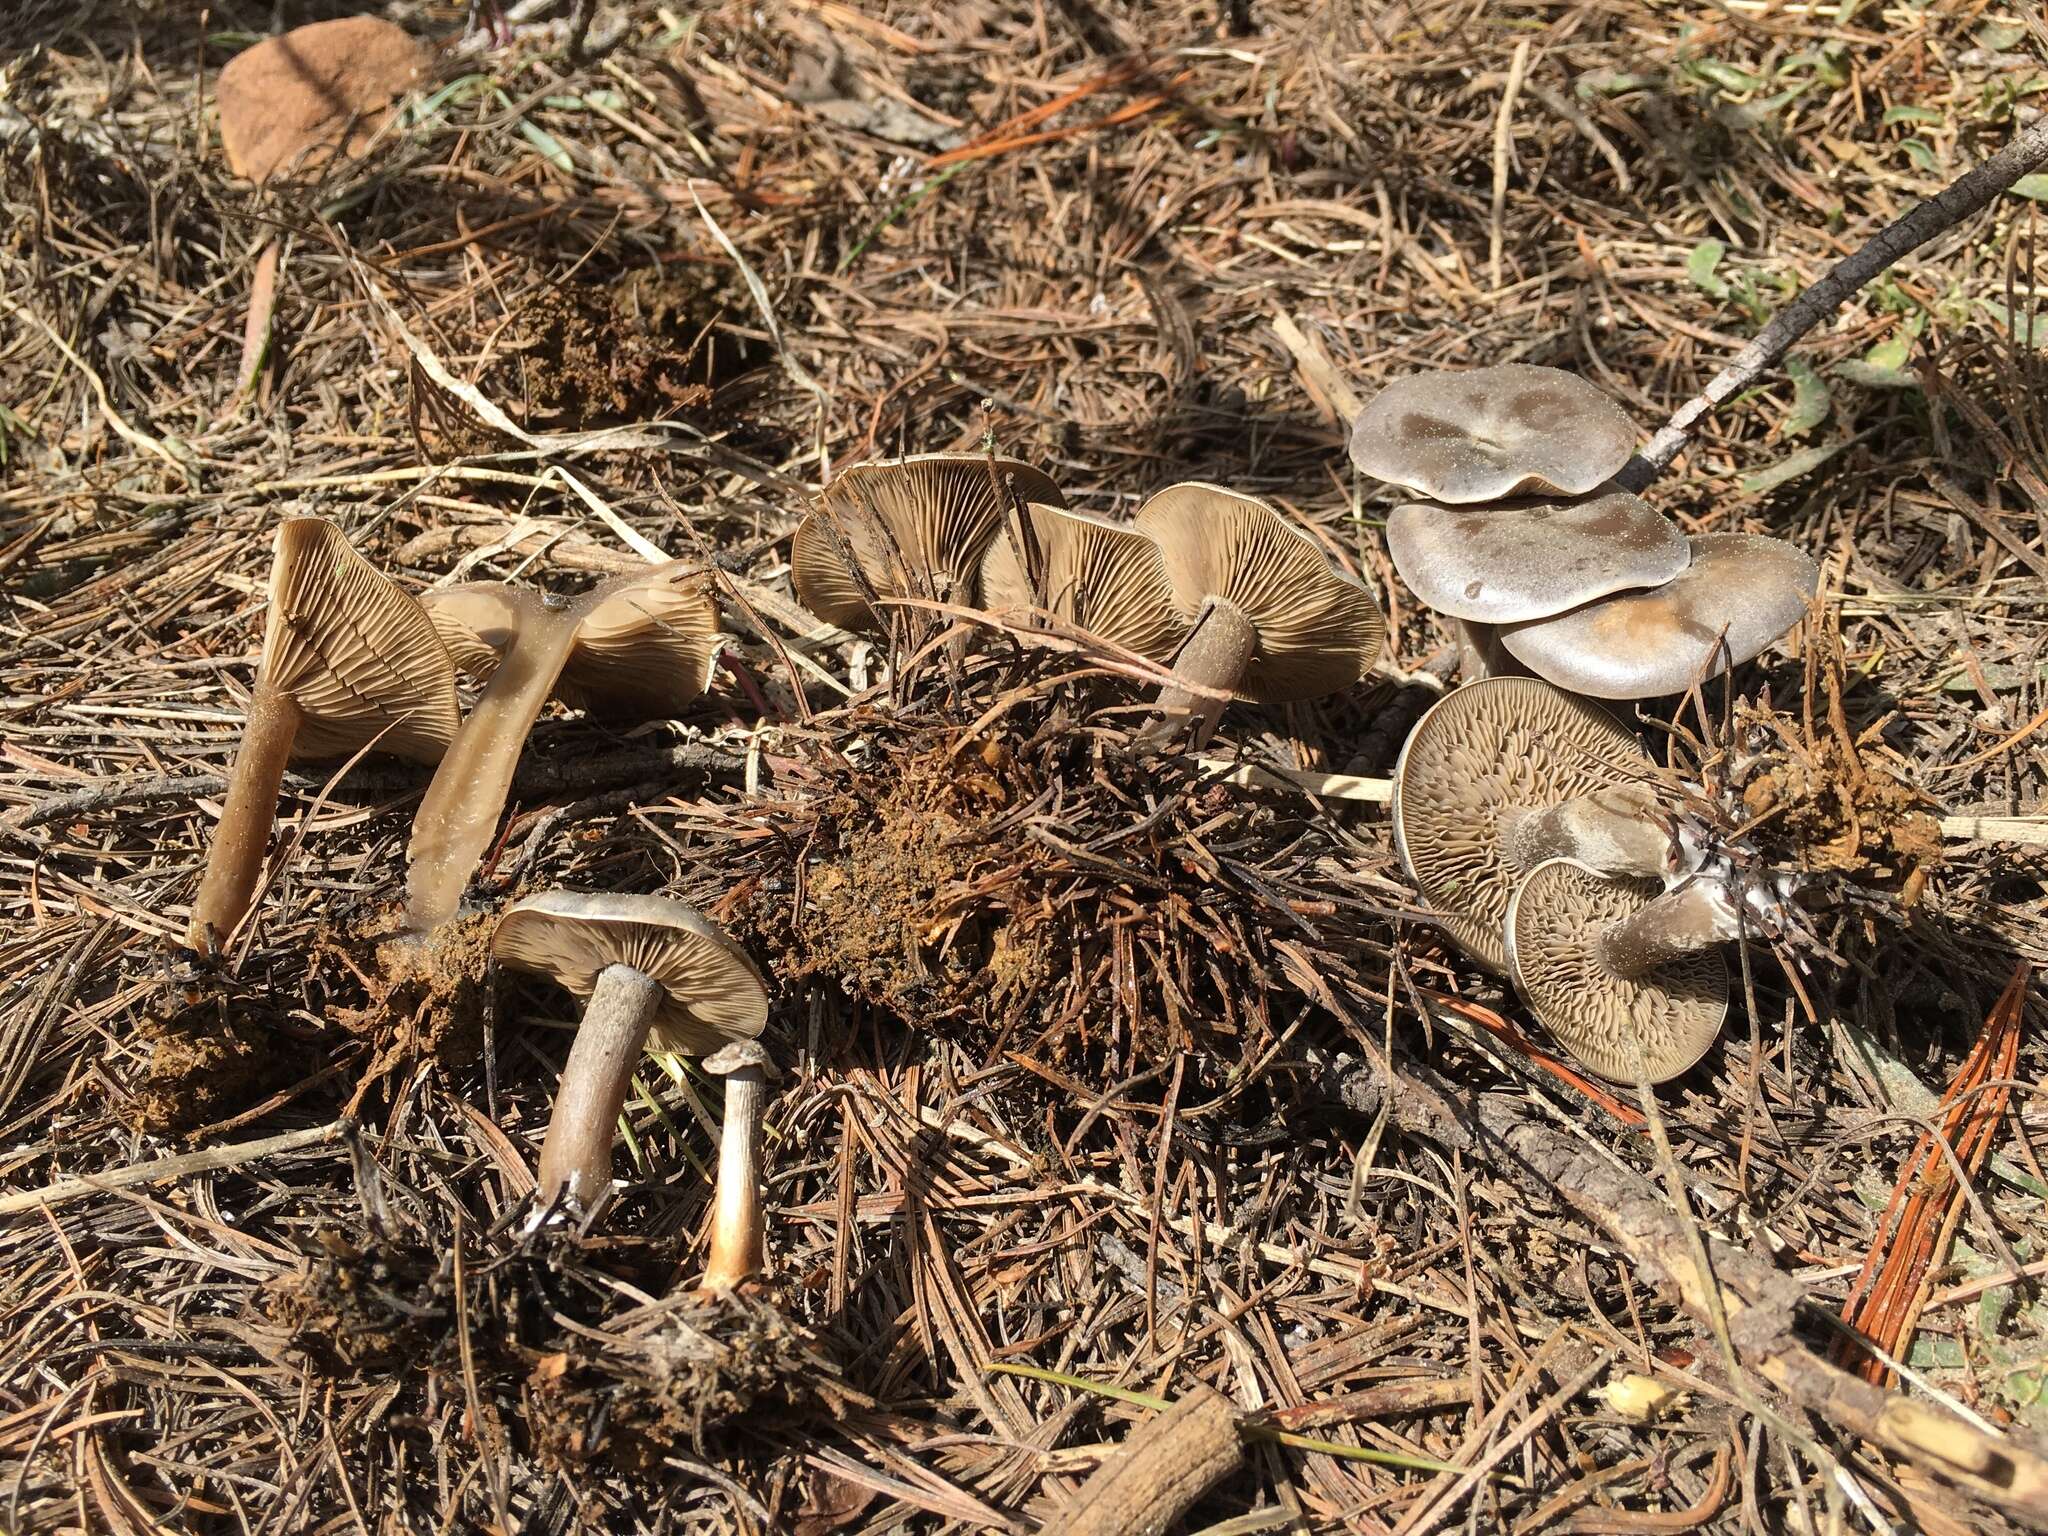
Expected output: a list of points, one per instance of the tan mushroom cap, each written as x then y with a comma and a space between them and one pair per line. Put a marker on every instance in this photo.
644, 654
1319, 629
712, 993
1666, 1019
356, 654
1639, 645
933, 515
289, 103
1478, 756
1102, 577
1531, 559
1480, 434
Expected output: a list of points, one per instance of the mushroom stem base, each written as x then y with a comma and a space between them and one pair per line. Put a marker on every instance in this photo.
738, 1234
1212, 658
576, 1156
1681, 922
236, 857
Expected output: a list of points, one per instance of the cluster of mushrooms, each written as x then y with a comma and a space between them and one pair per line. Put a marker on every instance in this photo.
1524, 813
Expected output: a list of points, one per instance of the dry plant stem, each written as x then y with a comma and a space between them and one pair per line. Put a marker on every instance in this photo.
462, 804
1213, 657
738, 1234
1155, 1476
235, 860
576, 1156
1946, 209
1692, 918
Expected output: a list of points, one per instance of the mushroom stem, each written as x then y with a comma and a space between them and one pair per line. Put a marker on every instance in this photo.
576, 1156
1681, 922
460, 811
738, 1234
236, 857
1613, 830
1214, 657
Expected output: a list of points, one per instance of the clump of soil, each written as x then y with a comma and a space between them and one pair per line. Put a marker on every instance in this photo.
1847, 818
579, 355
366, 1307
208, 1062
696, 1364
905, 892
426, 994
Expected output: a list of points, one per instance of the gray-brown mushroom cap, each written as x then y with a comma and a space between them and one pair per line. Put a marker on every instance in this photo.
1479, 756
918, 527
358, 656
1318, 628
712, 993
1481, 434
1103, 577
1532, 559
1639, 645
291, 102
1659, 1023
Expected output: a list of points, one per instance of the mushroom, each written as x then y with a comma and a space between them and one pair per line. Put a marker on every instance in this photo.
1626, 979
349, 661
1498, 776
738, 1230
647, 638
654, 975
1638, 645
917, 526
1102, 577
1269, 617
1530, 559
289, 103
1482, 434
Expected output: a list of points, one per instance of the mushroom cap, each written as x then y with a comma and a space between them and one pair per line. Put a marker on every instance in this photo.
290, 102
644, 652
1638, 645
357, 655
737, 1056
1319, 629
1478, 757
1478, 434
933, 516
712, 993
1102, 577
1531, 559
1673, 1013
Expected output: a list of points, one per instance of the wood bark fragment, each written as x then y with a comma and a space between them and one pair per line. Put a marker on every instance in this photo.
1156, 1475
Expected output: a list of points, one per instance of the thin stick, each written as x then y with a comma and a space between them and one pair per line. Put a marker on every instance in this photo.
1941, 212
1503, 152
211, 1160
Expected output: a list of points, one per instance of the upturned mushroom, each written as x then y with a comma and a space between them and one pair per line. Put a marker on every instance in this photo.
1269, 618
1740, 592
349, 661
1628, 979
290, 103
1499, 776
1102, 577
1482, 434
653, 975
738, 1228
647, 638
917, 527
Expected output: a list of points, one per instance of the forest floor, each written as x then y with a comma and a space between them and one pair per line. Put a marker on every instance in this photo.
1154, 1083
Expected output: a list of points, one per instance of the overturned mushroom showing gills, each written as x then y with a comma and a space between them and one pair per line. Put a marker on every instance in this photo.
1500, 775
654, 975
1482, 434
739, 1230
290, 103
348, 660
1102, 577
1641, 645
1531, 559
1627, 980
1269, 617
641, 638
918, 527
